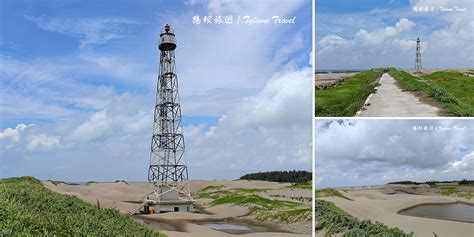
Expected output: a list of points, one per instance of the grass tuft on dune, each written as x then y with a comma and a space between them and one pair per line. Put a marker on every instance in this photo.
329, 192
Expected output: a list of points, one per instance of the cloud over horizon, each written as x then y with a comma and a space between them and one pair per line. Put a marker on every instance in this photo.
385, 36
382, 151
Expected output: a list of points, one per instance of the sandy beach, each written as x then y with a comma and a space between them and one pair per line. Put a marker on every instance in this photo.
383, 203
123, 197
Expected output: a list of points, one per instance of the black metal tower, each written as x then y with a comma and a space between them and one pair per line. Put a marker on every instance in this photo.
418, 57
168, 170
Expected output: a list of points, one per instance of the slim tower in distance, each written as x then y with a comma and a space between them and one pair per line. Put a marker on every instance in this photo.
418, 57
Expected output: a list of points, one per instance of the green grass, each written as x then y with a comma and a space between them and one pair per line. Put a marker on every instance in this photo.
287, 216
453, 90
212, 191
305, 185
336, 221
449, 191
211, 187
329, 192
27, 208
263, 208
254, 200
251, 190
348, 97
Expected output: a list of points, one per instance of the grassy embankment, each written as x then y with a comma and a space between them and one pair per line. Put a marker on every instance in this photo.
333, 220
27, 208
263, 208
453, 90
346, 98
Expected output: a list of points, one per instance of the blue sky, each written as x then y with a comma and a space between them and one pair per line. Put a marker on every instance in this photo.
376, 152
373, 33
78, 84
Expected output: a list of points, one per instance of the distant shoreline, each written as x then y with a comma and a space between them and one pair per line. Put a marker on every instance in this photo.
328, 71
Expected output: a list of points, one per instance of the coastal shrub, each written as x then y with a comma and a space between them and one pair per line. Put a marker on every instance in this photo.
405, 183
27, 208
121, 181
294, 176
466, 182
287, 216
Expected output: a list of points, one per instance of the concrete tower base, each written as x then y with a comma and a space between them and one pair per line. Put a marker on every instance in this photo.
169, 201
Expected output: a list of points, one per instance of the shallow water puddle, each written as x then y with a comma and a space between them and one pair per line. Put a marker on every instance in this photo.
228, 228
451, 211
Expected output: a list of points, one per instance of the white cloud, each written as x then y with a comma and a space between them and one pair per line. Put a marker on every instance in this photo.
88, 30
405, 45
25, 136
330, 42
442, 3
464, 165
381, 35
451, 46
267, 131
14, 133
374, 48
284, 101
93, 128
380, 151
42, 142
446, 38
124, 115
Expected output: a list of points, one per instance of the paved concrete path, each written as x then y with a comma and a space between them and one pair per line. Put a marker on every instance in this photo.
391, 101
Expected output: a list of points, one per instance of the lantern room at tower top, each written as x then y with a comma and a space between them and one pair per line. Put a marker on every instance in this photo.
167, 39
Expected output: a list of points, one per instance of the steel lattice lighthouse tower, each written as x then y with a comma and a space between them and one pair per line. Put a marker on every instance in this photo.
168, 171
418, 57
